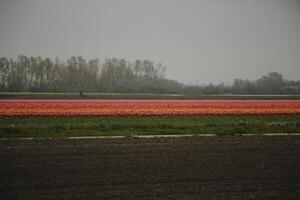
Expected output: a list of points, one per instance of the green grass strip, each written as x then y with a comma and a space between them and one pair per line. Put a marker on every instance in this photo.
16, 127
32, 95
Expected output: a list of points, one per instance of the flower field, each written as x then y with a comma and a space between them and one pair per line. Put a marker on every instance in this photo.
96, 107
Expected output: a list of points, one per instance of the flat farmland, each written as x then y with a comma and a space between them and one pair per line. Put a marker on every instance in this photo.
99, 117
46, 164
245, 167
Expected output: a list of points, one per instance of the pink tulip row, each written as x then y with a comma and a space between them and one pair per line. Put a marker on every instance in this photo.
69, 108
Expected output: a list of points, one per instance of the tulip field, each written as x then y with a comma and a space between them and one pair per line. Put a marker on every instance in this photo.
64, 117
91, 108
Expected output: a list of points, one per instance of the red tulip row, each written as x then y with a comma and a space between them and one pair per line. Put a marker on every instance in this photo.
148, 108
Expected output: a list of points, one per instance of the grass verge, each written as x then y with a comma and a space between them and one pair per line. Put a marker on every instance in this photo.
16, 127
36, 95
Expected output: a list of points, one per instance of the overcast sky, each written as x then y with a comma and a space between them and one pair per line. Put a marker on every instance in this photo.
198, 41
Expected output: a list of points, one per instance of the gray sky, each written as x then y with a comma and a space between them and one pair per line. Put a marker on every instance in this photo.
198, 41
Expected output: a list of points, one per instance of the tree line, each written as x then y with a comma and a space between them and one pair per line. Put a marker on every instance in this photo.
271, 84
76, 74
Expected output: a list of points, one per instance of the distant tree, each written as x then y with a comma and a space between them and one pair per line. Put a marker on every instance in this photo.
242, 87
272, 83
4, 73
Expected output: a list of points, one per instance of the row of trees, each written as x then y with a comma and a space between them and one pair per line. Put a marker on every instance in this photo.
36, 74
272, 83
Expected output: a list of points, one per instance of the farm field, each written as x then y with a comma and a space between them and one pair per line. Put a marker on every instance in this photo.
254, 167
92, 117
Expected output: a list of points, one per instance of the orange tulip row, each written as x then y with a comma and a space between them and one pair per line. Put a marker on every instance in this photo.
147, 109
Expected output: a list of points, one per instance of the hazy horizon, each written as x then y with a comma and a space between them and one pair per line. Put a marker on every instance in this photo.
198, 41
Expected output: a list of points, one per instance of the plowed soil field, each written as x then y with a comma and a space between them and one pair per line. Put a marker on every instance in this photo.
245, 167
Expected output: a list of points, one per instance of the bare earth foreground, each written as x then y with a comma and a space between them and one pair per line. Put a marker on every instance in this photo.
245, 167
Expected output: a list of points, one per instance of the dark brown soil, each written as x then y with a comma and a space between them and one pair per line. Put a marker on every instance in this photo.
158, 168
